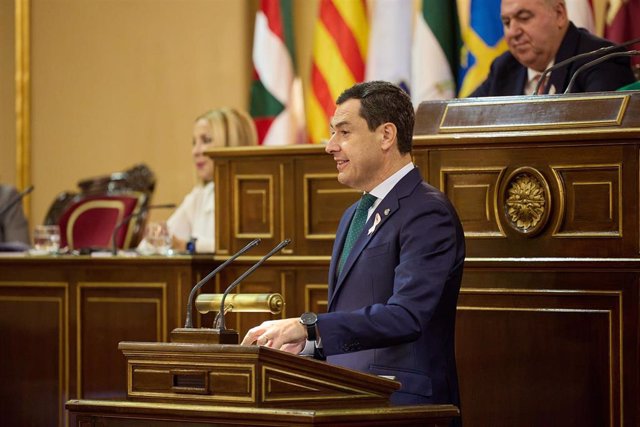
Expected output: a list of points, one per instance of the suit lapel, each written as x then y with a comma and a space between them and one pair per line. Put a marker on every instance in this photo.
341, 235
385, 210
520, 81
559, 78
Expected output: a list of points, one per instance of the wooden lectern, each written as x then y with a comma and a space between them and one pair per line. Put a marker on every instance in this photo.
178, 384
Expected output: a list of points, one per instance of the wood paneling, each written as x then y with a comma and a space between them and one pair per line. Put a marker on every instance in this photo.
62, 319
551, 335
108, 313
278, 194
35, 355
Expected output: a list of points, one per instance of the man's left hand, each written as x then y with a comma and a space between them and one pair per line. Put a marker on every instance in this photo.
287, 335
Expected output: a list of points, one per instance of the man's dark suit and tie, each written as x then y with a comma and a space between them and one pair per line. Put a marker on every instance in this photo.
539, 34
392, 300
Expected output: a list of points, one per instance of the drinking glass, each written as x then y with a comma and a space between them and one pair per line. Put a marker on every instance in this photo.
46, 238
158, 237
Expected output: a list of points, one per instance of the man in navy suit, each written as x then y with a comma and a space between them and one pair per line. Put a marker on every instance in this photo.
539, 34
392, 298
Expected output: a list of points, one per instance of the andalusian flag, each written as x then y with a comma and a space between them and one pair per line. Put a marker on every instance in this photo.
389, 56
273, 96
483, 42
339, 55
436, 51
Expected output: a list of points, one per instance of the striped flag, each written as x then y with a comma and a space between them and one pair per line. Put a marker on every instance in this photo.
389, 56
339, 55
435, 52
273, 97
483, 42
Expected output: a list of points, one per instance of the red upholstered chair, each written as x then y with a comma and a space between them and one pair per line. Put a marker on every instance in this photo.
90, 221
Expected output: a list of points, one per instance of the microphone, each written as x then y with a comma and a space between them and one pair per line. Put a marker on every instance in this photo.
596, 52
126, 219
189, 322
220, 317
17, 199
596, 62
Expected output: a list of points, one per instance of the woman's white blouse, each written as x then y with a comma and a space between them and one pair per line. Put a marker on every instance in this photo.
194, 218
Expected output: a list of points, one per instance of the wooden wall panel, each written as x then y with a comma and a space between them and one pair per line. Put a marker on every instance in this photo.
473, 191
586, 201
253, 205
60, 336
320, 199
591, 197
294, 193
551, 348
108, 313
319, 209
34, 359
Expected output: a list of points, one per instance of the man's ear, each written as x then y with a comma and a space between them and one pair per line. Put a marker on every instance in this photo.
562, 15
388, 135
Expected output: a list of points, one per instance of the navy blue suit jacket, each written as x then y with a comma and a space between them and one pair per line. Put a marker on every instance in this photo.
392, 309
508, 77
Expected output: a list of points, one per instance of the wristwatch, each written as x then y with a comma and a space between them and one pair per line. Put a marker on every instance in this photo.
309, 320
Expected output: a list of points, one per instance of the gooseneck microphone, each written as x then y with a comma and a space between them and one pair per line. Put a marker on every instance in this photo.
16, 199
597, 52
189, 322
220, 318
126, 219
596, 62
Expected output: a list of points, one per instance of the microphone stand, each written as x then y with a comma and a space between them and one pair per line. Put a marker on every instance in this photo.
13, 202
189, 322
596, 62
219, 335
567, 61
219, 321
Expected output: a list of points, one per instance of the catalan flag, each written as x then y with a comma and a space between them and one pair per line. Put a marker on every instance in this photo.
483, 39
339, 57
273, 94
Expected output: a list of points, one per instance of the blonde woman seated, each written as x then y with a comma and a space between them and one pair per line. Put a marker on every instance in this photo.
193, 220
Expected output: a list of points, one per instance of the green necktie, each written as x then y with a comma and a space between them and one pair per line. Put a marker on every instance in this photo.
356, 226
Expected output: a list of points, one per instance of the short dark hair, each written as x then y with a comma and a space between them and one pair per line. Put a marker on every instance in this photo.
382, 102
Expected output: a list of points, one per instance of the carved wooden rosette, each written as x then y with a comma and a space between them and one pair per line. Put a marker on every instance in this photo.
526, 201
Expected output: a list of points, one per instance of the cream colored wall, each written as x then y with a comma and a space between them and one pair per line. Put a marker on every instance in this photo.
115, 83
7, 95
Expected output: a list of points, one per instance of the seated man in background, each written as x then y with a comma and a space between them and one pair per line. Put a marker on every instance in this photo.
13, 224
539, 34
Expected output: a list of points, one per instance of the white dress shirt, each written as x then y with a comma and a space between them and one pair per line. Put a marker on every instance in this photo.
194, 218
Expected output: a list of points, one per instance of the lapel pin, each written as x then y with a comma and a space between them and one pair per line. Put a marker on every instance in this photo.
376, 221
386, 211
